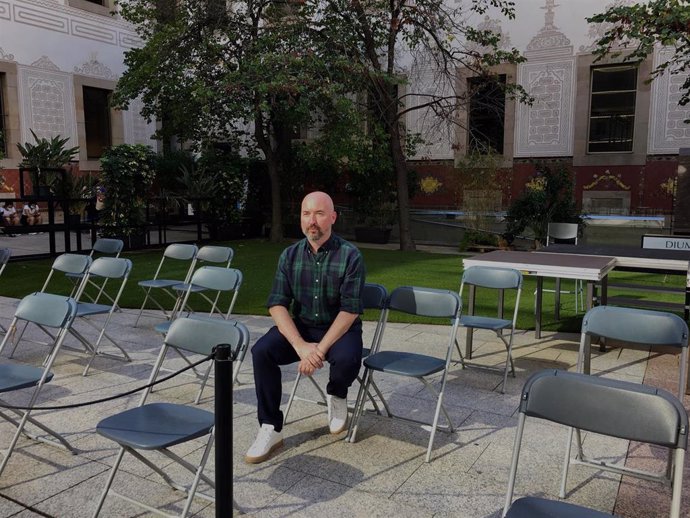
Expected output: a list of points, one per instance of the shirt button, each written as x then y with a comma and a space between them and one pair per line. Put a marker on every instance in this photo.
317, 280
316, 296
316, 314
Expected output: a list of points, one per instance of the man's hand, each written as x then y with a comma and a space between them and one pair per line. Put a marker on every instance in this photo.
311, 358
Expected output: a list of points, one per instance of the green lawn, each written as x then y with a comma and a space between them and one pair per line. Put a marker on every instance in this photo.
257, 261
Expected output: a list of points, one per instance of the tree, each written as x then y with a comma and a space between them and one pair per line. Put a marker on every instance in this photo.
377, 35
636, 29
250, 77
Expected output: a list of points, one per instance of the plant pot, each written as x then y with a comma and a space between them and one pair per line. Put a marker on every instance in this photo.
133, 241
372, 235
74, 220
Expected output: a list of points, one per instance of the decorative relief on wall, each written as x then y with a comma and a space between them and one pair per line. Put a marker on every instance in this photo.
436, 132
667, 131
597, 30
95, 68
5, 56
93, 32
493, 25
608, 179
46, 103
549, 41
48, 20
45, 63
129, 40
137, 129
546, 127
5, 13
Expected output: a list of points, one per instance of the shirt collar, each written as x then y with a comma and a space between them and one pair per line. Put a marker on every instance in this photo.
330, 244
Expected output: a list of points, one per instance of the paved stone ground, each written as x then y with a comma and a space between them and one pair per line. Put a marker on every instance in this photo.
319, 474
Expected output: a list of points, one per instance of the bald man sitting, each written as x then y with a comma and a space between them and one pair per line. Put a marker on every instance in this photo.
321, 279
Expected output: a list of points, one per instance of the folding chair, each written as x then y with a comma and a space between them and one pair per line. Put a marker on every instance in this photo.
374, 296
65, 263
425, 302
637, 328
103, 247
564, 233
176, 252
500, 279
45, 310
222, 280
5, 254
160, 426
217, 255
604, 406
106, 268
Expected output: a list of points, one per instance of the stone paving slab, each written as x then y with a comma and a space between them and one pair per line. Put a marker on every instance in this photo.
382, 474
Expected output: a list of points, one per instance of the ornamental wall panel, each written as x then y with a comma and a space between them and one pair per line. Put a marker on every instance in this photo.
546, 127
667, 131
46, 100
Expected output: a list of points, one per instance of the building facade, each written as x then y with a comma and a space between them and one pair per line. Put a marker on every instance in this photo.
59, 62
618, 132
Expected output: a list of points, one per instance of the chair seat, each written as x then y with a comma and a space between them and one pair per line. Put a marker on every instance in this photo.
534, 507
86, 308
193, 288
16, 377
158, 283
156, 425
479, 322
404, 364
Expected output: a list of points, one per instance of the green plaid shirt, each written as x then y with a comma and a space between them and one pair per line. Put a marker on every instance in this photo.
319, 285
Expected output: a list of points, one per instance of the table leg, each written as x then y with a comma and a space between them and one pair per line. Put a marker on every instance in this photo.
604, 291
469, 332
590, 294
537, 316
557, 304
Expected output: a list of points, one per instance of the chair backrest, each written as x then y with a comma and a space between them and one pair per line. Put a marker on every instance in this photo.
495, 278
216, 254
217, 278
47, 309
5, 254
374, 296
181, 251
562, 232
201, 336
109, 246
606, 406
426, 302
111, 267
637, 326
76, 264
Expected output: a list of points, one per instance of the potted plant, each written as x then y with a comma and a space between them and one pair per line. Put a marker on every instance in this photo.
77, 191
127, 174
45, 160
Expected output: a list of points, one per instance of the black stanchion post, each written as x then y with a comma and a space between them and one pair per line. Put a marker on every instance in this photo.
223, 412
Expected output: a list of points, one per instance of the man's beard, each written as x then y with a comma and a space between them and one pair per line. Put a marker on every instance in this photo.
314, 233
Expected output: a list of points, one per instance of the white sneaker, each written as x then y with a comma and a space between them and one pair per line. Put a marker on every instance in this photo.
337, 414
266, 442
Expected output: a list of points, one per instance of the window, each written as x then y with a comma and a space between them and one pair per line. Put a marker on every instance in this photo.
487, 114
99, 2
96, 121
612, 109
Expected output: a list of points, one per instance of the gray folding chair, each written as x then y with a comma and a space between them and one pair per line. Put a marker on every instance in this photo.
222, 280
48, 311
103, 247
427, 302
604, 406
213, 255
5, 254
638, 328
160, 426
499, 279
374, 296
65, 263
564, 233
109, 269
179, 253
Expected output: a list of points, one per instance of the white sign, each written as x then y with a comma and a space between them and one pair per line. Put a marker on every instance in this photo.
666, 242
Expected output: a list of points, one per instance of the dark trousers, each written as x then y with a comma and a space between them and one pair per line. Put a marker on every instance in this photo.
272, 350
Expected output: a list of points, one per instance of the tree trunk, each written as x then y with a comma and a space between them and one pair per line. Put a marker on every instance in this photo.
276, 209
400, 165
